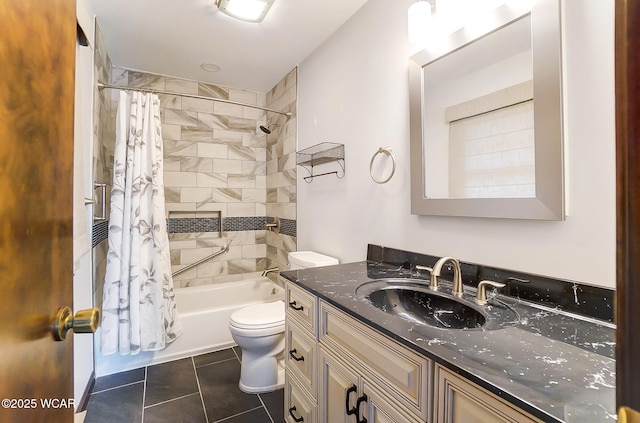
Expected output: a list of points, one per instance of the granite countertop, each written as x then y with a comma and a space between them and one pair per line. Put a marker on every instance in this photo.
555, 366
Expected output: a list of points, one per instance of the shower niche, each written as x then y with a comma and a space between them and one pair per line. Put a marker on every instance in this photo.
320, 154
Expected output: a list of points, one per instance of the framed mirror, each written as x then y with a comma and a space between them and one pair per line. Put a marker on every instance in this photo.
486, 119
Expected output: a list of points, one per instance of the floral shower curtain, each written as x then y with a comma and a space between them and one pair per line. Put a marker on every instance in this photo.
139, 310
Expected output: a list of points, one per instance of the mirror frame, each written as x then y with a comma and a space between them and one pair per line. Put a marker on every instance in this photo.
548, 204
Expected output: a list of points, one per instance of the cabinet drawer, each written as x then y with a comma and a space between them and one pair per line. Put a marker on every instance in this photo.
300, 356
406, 374
298, 407
301, 306
460, 401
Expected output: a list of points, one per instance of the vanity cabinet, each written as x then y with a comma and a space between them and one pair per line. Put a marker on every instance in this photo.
339, 370
460, 401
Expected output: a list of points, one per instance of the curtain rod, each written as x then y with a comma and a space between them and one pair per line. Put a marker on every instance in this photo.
222, 100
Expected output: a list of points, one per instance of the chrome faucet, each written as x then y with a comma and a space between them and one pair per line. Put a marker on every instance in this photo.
265, 272
457, 289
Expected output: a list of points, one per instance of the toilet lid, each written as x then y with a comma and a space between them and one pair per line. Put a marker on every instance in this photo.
263, 315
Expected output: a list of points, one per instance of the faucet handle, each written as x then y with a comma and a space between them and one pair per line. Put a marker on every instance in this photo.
481, 296
433, 284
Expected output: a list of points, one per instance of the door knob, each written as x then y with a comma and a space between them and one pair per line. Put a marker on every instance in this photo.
85, 321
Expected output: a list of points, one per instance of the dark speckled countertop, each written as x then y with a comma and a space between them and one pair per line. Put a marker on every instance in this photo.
557, 367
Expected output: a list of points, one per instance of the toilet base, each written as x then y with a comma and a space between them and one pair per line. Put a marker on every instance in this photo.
262, 389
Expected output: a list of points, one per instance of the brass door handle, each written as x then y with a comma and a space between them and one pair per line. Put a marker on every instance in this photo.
85, 321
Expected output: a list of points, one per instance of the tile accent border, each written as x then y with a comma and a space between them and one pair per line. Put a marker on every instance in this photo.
288, 227
574, 297
99, 232
181, 225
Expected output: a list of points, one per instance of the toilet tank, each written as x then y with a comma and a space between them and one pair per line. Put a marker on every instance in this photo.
306, 259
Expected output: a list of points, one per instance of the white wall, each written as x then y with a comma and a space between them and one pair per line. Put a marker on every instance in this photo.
354, 90
83, 143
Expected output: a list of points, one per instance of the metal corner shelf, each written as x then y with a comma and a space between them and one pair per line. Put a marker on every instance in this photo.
325, 152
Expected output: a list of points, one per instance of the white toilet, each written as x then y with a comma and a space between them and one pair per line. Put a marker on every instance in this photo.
259, 331
305, 259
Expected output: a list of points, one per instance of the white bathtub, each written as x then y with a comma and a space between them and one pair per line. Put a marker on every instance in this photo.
204, 312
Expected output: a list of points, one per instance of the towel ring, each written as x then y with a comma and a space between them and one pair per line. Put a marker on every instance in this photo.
388, 152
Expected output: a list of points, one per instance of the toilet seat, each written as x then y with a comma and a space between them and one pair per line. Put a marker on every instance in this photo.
259, 316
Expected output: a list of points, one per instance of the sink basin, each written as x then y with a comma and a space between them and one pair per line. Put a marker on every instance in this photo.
412, 300
428, 308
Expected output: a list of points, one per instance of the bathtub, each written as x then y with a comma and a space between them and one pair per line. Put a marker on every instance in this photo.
204, 312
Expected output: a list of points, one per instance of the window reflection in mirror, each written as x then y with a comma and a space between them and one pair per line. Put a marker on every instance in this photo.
478, 118
486, 120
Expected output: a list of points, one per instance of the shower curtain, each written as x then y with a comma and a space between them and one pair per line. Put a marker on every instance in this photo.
139, 310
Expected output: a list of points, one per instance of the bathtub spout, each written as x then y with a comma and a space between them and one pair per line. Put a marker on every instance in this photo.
269, 270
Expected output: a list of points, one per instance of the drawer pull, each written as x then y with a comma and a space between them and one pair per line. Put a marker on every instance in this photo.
292, 354
293, 305
293, 416
350, 411
362, 399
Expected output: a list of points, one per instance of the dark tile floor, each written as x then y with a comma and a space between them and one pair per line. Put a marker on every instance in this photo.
199, 389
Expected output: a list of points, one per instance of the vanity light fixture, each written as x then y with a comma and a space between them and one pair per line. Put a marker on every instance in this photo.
428, 21
419, 22
245, 10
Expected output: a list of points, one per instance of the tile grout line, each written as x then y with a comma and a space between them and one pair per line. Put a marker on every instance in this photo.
117, 387
236, 354
236, 415
265, 408
172, 399
211, 364
195, 370
144, 393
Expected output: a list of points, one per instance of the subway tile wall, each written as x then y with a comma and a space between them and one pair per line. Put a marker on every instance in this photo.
219, 164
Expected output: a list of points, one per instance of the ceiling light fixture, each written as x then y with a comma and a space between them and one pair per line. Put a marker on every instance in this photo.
419, 21
246, 10
210, 67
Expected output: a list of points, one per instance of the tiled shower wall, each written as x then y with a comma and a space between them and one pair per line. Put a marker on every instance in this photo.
104, 143
281, 170
218, 164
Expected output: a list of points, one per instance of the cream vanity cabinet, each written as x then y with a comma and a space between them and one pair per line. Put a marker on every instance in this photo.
339, 370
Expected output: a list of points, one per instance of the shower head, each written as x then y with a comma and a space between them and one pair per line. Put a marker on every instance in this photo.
267, 129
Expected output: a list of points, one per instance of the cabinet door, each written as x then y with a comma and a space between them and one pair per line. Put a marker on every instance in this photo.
460, 401
338, 390
378, 408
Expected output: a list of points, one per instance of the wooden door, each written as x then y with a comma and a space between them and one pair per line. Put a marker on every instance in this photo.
37, 59
627, 59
